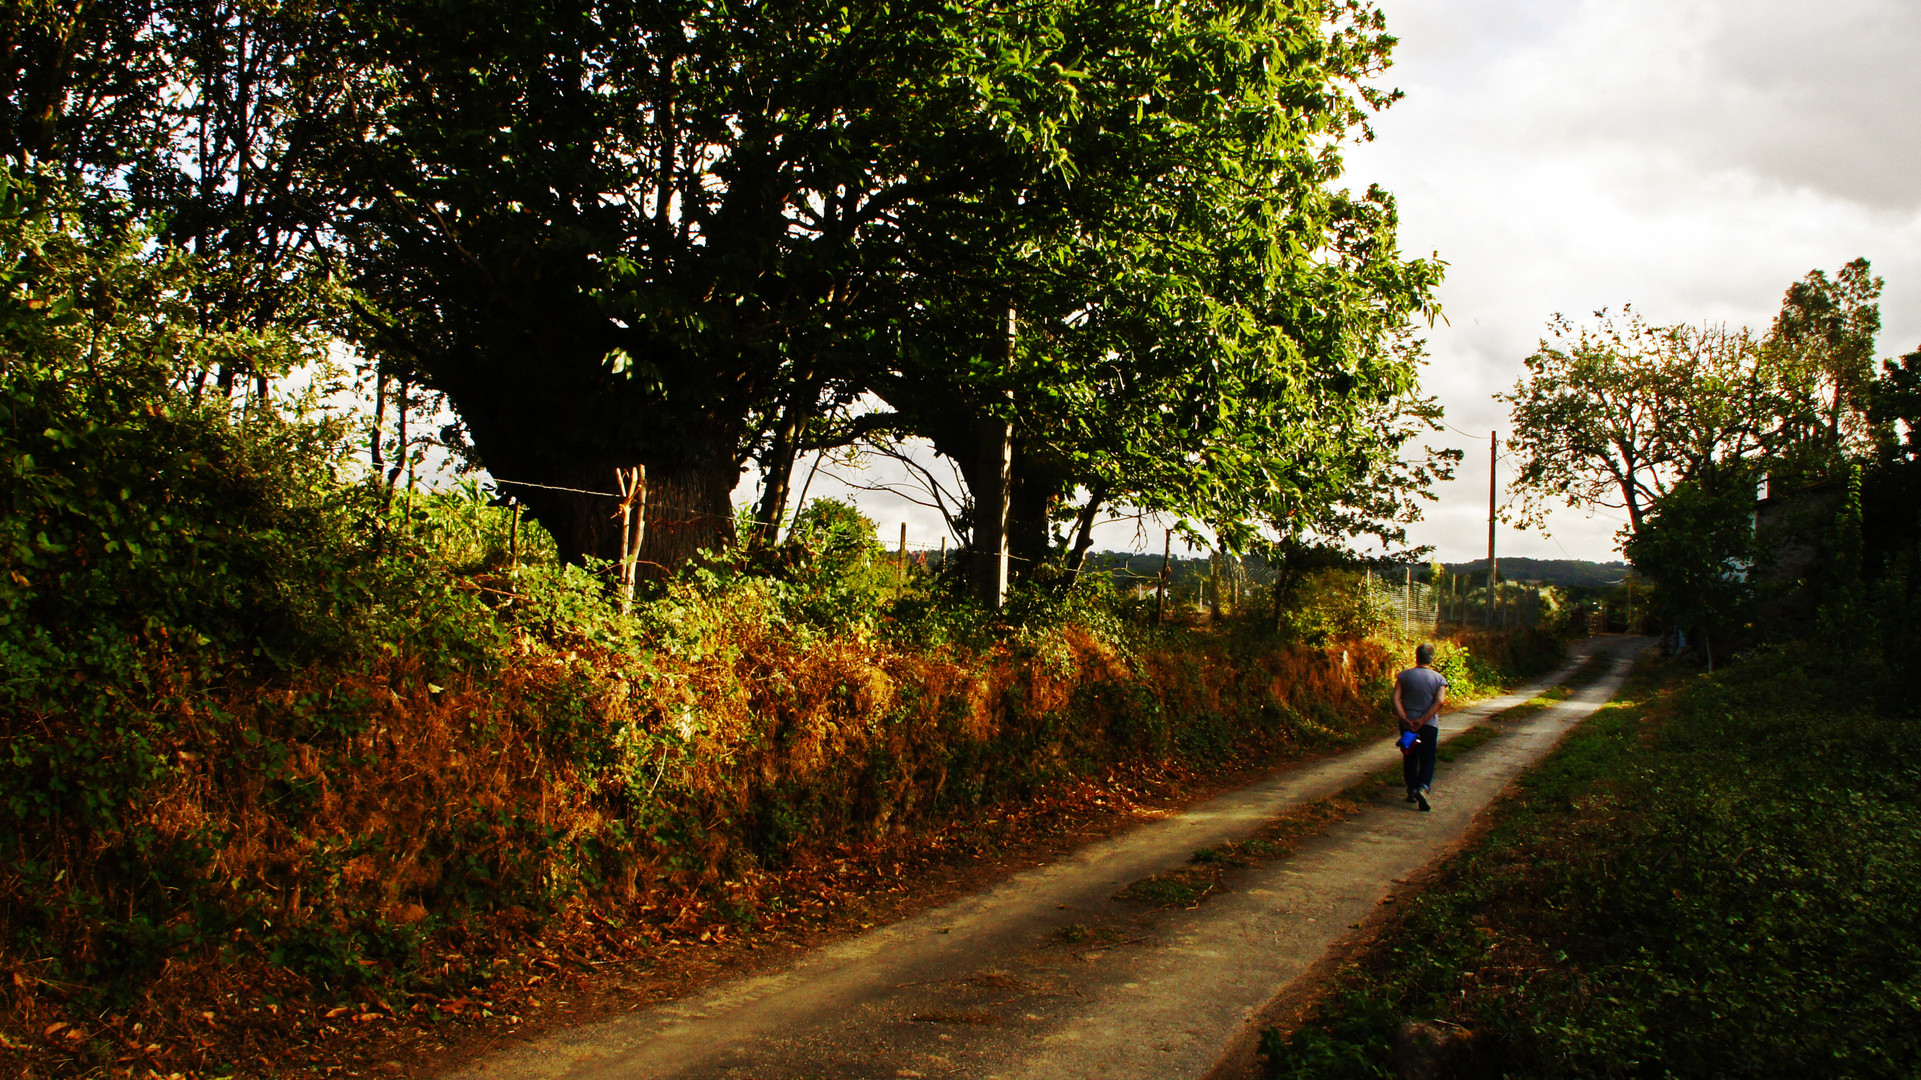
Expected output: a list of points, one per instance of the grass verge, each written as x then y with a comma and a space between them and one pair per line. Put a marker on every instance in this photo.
1711, 877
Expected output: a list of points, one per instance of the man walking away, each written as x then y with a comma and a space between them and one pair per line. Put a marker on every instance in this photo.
1418, 694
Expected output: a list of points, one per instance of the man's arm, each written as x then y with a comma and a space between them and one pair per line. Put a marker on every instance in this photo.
1440, 698
1400, 708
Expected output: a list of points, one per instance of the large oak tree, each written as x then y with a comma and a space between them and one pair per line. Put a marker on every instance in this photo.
670, 233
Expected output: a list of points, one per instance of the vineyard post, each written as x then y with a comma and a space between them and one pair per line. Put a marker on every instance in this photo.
513, 538
1160, 591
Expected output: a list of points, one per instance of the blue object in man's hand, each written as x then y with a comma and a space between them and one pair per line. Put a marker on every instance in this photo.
1407, 740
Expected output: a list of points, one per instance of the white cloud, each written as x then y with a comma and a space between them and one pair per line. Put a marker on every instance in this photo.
1691, 158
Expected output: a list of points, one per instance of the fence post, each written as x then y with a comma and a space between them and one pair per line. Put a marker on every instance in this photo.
633, 527
513, 539
1407, 602
1160, 591
1167, 571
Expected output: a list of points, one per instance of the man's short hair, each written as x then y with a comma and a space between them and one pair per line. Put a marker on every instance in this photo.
1424, 654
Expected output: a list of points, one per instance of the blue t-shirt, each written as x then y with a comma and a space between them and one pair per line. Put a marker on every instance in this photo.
1420, 688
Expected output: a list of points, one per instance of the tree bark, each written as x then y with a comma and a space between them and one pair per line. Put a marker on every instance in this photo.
1029, 510
557, 451
780, 460
1084, 528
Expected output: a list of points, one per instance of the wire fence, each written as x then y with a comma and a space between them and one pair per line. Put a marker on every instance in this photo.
1413, 606
1424, 606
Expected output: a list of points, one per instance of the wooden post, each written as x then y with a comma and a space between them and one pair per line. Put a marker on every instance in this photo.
900, 561
513, 540
996, 465
1407, 602
633, 527
1160, 591
1214, 588
990, 513
625, 513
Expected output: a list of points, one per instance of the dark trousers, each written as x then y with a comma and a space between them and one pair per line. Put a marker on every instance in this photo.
1417, 765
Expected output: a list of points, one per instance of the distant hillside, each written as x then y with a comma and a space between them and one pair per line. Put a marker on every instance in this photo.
1551, 571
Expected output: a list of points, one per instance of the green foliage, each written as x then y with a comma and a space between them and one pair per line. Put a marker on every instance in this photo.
1714, 886
1469, 673
157, 553
1333, 605
1699, 545
688, 236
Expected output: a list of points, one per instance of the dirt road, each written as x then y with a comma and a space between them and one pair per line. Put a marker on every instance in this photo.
1047, 976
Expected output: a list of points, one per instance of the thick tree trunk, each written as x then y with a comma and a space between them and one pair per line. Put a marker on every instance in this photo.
1033, 490
687, 508
568, 484
1029, 511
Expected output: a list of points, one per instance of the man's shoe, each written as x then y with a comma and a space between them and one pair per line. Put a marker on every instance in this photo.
1420, 801
1410, 794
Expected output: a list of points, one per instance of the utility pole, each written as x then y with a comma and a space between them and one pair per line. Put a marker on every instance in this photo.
1493, 450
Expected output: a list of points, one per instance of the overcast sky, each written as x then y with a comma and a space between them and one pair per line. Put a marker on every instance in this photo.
1691, 157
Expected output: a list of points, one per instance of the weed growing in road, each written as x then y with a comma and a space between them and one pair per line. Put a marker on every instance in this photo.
1202, 877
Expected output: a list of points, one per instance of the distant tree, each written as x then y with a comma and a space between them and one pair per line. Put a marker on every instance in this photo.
1621, 413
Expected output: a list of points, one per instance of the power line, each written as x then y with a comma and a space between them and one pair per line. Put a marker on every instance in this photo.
551, 487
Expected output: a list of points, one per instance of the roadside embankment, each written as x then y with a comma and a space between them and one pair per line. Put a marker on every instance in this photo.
211, 863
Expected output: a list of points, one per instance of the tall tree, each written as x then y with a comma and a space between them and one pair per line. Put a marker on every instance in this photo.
1618, 414
670, 233
623, 233
1200, 314
1824, 339
203, 121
